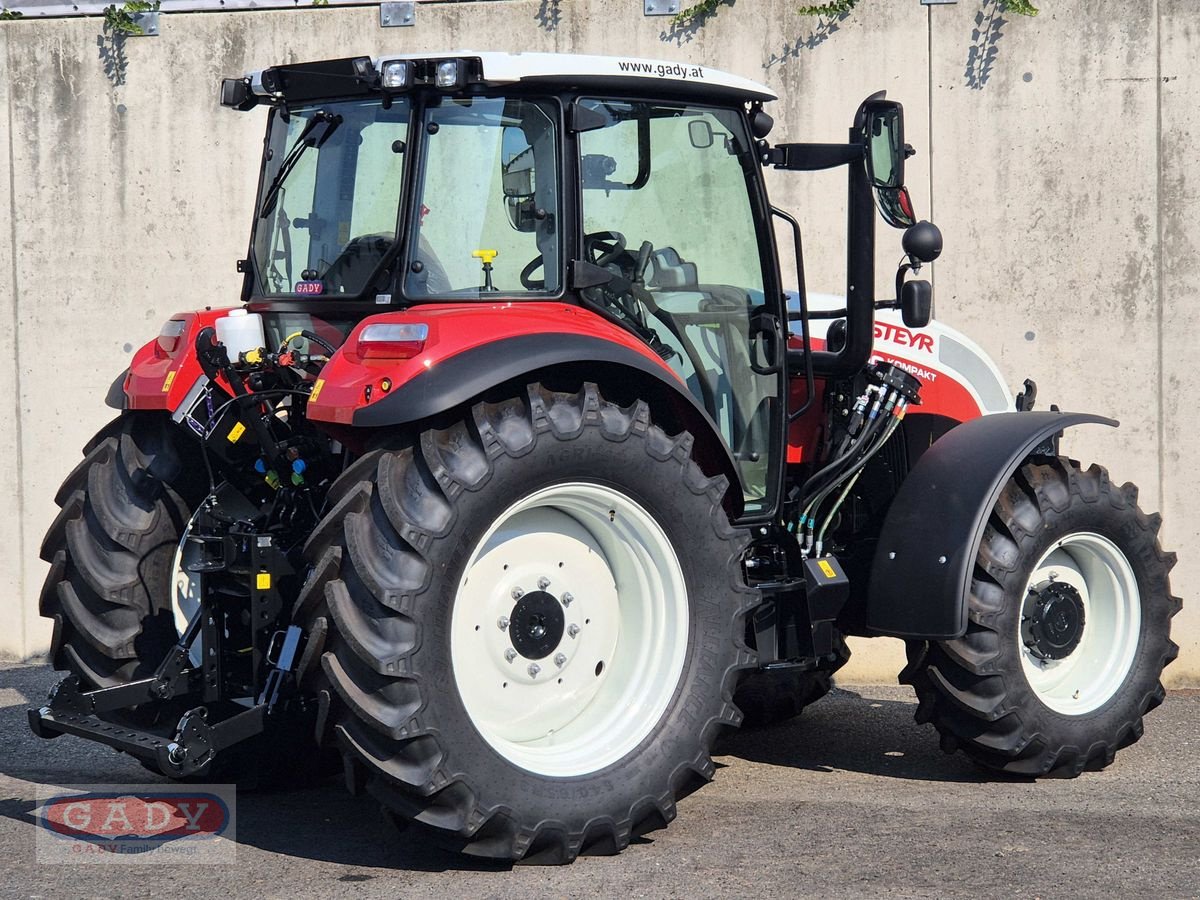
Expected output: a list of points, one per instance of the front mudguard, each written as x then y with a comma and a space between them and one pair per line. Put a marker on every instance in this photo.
921, 574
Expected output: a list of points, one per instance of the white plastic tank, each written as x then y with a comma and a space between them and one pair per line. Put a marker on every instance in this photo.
240, 332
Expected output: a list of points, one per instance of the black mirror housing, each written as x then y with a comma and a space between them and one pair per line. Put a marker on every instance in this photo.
916, 303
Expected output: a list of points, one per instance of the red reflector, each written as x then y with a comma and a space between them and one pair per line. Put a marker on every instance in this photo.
390, 340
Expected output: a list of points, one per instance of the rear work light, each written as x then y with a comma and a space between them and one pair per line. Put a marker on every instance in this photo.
450, 74
397, 75
168, 338
390, 340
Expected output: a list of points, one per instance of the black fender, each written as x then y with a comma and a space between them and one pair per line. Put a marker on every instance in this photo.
465, 376
116, 392
921, 574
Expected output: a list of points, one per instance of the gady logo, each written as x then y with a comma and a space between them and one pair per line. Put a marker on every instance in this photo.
144, 817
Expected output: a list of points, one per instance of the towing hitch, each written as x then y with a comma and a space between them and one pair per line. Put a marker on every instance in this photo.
187, 713
193, 745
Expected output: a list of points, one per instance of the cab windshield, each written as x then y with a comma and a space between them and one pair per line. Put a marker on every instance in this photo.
330, 199
487, 205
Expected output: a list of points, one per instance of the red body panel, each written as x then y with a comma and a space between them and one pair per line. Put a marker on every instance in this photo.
159, 380
453, 329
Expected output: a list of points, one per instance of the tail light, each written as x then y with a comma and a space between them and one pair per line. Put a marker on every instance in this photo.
168, 337
391, 340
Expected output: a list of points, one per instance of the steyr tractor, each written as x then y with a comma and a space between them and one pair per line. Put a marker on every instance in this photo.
520, 474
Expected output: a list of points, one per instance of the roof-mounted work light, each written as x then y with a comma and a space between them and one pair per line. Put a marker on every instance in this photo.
364, 69
451, 74
397, 75
236, 94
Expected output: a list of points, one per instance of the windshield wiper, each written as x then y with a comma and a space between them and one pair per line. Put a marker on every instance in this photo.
303, 142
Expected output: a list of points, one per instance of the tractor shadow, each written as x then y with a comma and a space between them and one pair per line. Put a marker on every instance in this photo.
318, 821
848, 732
321, 821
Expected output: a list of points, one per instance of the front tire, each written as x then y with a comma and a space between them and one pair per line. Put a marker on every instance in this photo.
466, 690
1068, 632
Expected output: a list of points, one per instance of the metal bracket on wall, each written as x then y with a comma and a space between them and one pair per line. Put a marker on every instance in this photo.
660, 7
397, 14
148, 22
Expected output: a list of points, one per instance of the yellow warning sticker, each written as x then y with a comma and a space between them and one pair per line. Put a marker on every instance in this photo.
827, 568
236, 432
264, 581
316, 391
168, 381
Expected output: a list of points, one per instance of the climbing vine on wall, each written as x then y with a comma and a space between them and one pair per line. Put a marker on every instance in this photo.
698, 12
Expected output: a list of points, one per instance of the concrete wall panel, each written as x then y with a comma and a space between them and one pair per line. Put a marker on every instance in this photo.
1179, 236
13, 611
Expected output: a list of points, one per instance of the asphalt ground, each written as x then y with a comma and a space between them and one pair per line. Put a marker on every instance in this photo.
853, 799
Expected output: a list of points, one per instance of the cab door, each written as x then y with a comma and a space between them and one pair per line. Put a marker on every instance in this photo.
668, 199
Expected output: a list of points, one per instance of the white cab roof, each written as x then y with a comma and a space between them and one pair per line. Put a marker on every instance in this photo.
596, 71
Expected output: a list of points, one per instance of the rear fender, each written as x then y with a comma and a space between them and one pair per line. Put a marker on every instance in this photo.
921, 573
472, 350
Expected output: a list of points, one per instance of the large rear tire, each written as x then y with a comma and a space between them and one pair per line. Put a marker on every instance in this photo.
533, 622
111, 551
1068, 630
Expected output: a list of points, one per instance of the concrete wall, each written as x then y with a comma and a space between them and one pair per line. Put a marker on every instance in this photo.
1056, 154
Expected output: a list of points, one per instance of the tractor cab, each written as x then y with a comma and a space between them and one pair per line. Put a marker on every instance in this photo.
628, 188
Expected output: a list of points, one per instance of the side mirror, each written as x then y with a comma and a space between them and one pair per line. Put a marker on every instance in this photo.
700, 134
883, 137
517, 179
916, 303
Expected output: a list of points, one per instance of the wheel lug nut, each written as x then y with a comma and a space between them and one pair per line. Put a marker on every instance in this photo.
534, 668
517, 593
560, 659
502, 623
573, 630
510, 654
543, 583
567, 598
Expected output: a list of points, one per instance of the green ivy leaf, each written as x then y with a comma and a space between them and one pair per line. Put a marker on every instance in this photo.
832, 8
1021, 7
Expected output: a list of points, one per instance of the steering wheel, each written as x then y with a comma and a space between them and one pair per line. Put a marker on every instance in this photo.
603, 247
527, 280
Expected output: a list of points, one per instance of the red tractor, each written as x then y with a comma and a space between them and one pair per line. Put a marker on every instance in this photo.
520, 475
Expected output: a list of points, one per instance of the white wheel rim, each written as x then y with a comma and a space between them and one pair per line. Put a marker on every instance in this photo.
601, 690
185, 591
1089, 676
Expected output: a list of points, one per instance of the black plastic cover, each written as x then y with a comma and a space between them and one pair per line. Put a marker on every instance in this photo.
115, 397
923, 562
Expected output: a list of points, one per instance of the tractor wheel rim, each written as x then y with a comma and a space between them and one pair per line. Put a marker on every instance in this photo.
1084, 570
185, 590
569, 695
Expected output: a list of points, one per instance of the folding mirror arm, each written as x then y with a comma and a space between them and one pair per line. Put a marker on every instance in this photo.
812, 157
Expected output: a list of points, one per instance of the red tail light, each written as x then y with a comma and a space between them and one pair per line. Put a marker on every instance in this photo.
168, 338
391, 340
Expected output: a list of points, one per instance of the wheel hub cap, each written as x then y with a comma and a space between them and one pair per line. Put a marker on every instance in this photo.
1053, 621
536, 625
